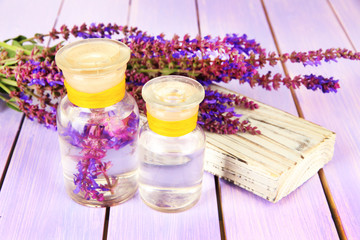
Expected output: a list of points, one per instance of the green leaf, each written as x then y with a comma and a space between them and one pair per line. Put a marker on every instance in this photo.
167, 71
9, 63
19, 38
13, 48
13, 106
12, 100
31, 47
53, 48
9, 82
16, 43
11, 53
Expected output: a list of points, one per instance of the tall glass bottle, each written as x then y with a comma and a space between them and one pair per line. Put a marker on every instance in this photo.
97, 123
171, 144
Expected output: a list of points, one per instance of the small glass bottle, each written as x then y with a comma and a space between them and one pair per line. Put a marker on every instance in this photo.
171, 144
97, 123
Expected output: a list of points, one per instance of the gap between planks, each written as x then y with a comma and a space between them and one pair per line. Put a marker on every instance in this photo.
330, 200
107, 211
216, 178
106, 223
2, 180
341, 24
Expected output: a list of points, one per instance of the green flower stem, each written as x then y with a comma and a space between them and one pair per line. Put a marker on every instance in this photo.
27, 40
27, 91
168, 71
14, 48
8, 82
33, 39
5, 88
11, 103
12, 67
9, 61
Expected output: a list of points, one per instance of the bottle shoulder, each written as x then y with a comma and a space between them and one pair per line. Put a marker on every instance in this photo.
198, 132
67, 111
189, 142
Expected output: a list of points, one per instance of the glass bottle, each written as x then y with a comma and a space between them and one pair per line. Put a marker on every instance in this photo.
98, 123
171, 144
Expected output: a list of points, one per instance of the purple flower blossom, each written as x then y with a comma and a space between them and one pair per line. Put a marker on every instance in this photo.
97, 137
319, 82
208, 60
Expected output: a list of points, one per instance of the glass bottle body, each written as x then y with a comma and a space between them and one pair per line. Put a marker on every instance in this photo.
98, 151
171, 169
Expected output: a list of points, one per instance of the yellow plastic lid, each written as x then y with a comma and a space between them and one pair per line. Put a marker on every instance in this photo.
93, 65
94, 71
172, 104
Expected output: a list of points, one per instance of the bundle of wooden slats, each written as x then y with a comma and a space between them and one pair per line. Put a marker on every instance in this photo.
287, 153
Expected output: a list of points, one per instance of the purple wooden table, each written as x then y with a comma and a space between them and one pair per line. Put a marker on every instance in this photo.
33, 202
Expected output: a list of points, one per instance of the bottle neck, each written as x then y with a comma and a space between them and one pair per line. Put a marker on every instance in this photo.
172, 128
101, 99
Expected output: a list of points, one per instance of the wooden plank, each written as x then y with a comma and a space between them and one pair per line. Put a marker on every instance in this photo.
33, 201
27, 19
298, 216
221, 18
106, 11
9, 125
12, 25
201, 221
243, 211
338, 112
348, 13
39, 206
135, 220
289, 151
163, 16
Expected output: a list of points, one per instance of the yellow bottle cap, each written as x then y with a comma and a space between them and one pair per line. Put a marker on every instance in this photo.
94, 70
172, 104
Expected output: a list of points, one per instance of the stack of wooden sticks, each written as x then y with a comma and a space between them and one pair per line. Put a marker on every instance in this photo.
287, 153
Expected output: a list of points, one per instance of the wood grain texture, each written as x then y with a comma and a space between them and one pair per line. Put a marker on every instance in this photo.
288, 152
218, 18
93, 11
9, 125
338, 112
349, 13
27, 19
161, 16
33, 201
244, 212
133, 219
298, 216
11, 25
34, 205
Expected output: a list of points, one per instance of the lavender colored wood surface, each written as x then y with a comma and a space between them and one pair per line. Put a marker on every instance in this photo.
244, 212
349, 13
93, 11
25, 18
161, 16
218, 18
11, 25
33, 201
9, 124
133, 219
338, 112
298, 216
